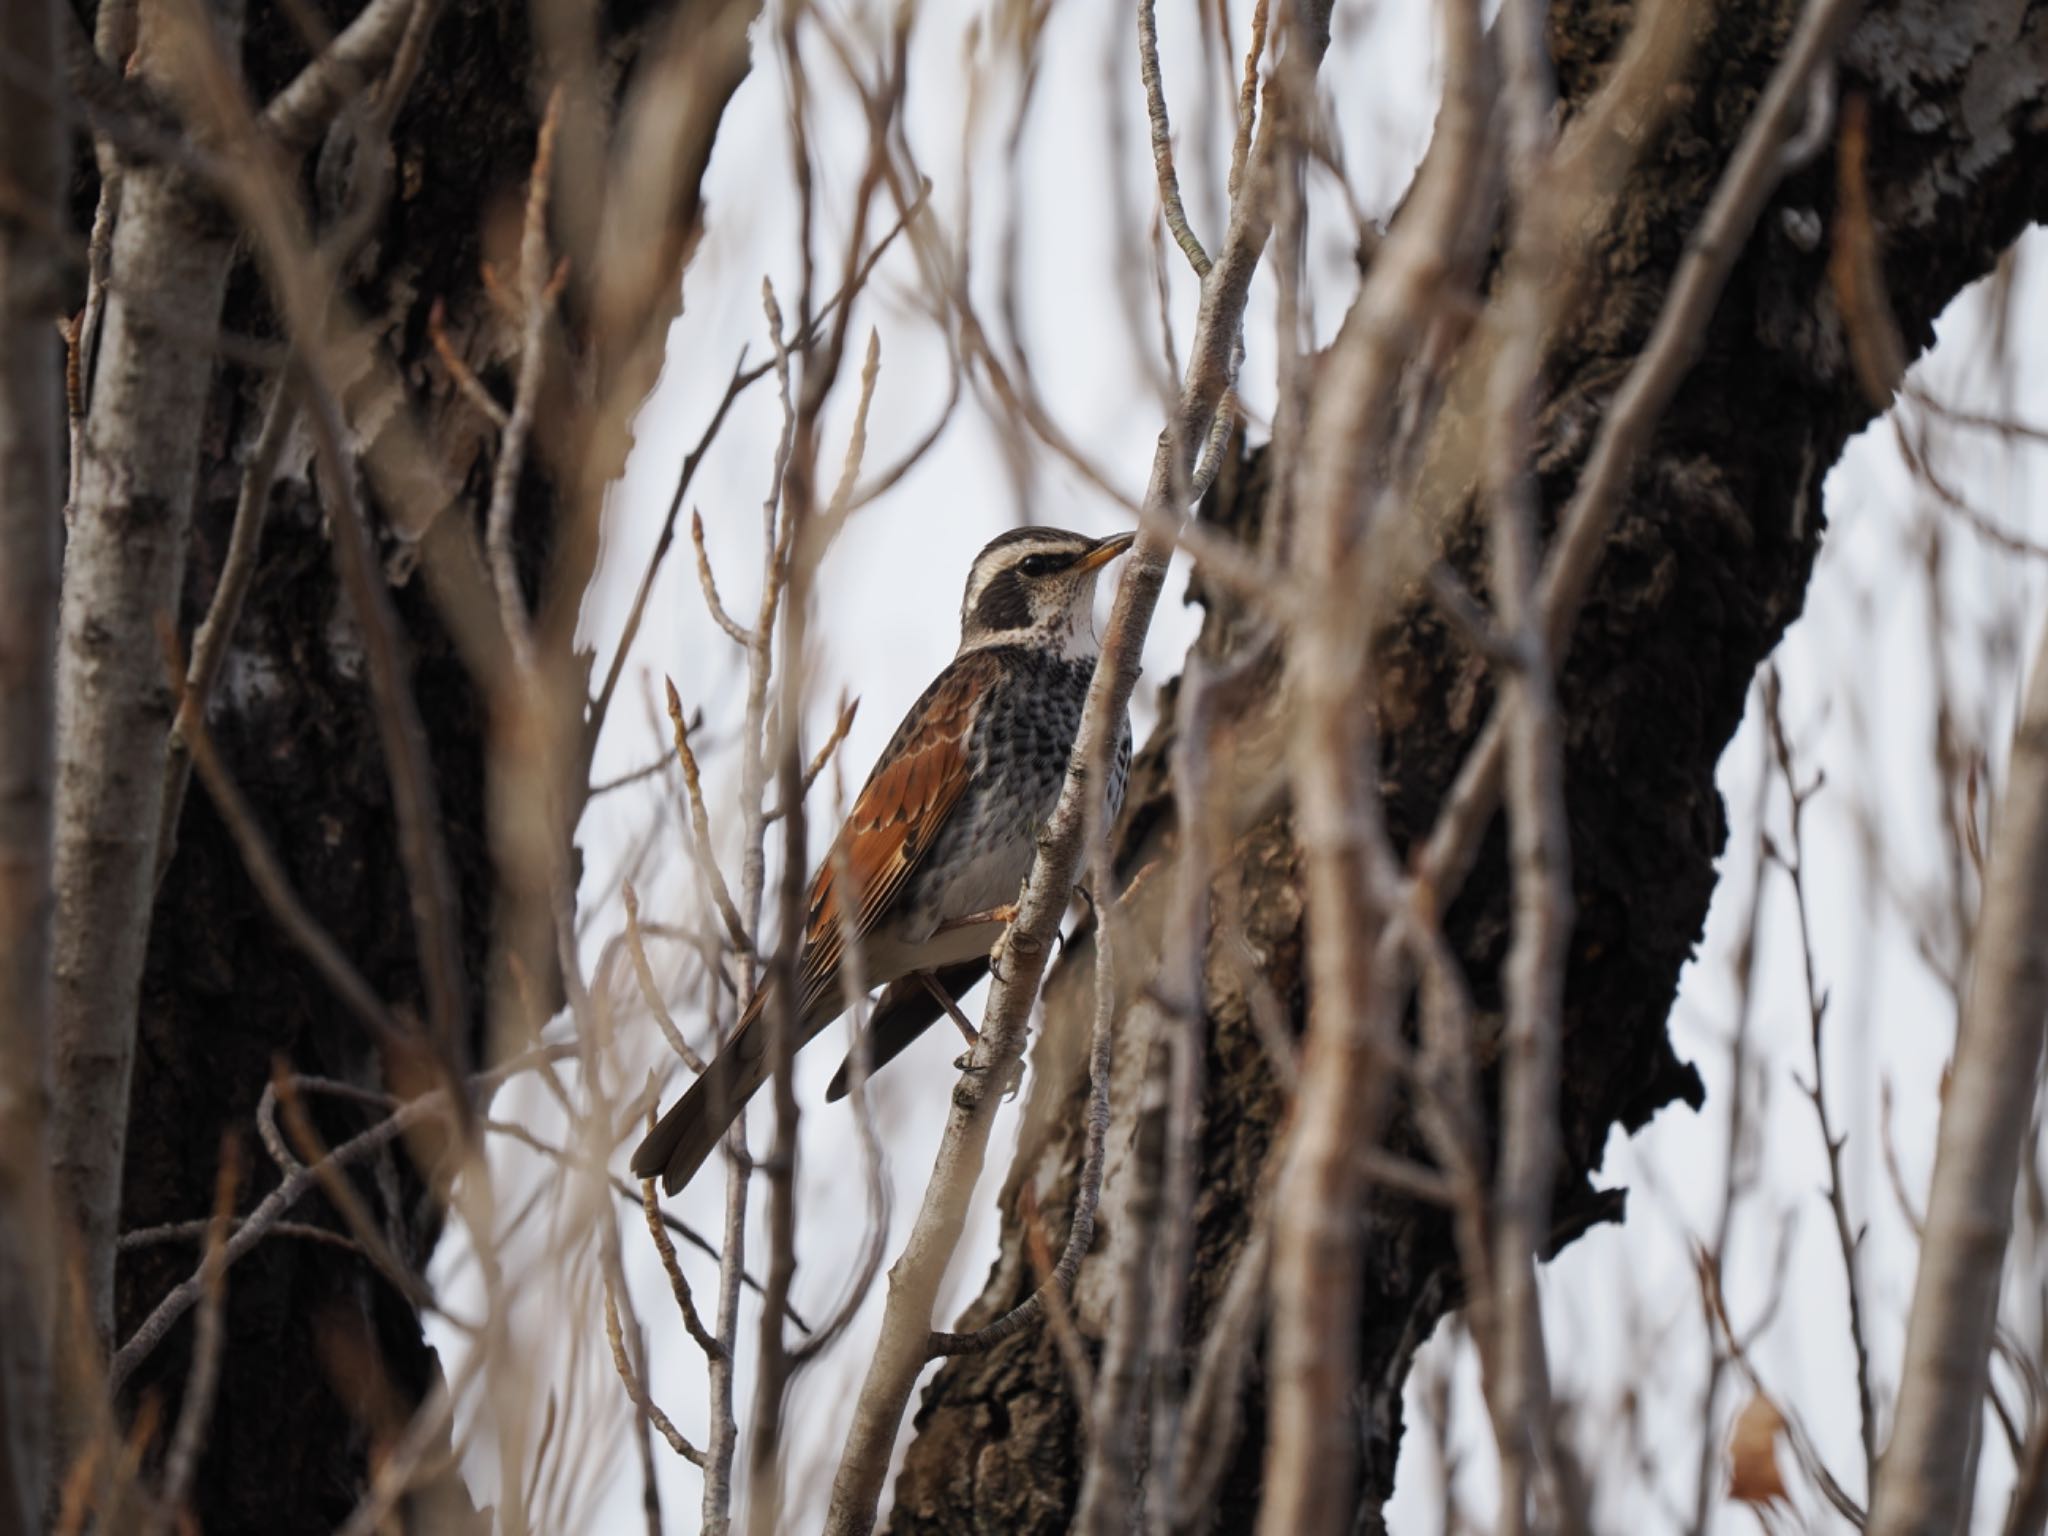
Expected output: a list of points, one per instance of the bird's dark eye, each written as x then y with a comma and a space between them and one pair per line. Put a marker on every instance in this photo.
1041, 565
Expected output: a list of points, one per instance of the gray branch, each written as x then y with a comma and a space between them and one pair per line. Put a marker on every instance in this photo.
122, 572
1927, 1475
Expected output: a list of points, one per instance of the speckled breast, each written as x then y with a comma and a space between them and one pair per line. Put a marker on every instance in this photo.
1022, 736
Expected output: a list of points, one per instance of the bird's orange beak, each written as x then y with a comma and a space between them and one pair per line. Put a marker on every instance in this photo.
1106, 551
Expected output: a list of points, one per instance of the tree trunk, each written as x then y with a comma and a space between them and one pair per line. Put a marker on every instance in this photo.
31, 522
324, 1358
1707, 565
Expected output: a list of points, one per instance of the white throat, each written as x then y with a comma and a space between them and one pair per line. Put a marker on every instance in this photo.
1076, 640
1069, 635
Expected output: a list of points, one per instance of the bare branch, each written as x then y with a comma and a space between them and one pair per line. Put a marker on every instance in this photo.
1847, 1242
1178, 987
1109, 1486
679, 1287
465, 378
1058, 1284
901, 1351
1247, 99
636, 1390
650, 994
124, 568
1349, 867
181, 1461
709, 584
1518, 1390
1162, 141
237, 570
1632, 416
538, 289
395, 1472
271, 1209
1211, 1420
343, 1196
274, 886
299, 112
626, 780
1927, 1475
700, 822
844, 723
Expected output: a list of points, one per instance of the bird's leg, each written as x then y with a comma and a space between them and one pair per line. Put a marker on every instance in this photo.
945, 999
1004, 915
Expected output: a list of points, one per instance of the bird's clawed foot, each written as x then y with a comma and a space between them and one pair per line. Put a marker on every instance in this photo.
966, 1065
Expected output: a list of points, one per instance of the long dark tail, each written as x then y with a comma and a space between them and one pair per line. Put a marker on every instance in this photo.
906, 1010
684, 1137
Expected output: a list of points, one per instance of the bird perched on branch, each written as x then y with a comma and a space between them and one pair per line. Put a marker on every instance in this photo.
926, 870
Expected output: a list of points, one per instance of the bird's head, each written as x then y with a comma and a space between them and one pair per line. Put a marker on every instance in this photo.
1036, 587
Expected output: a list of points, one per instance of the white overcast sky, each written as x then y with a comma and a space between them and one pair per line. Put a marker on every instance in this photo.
1860, 693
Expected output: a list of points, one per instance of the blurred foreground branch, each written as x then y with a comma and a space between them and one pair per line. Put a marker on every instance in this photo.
1928, 1473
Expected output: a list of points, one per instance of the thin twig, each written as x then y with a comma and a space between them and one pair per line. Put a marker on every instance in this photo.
856, 442
650, 994
466, 381
708, 584
181, 1460
298, 113
1848, 1243
636, 1390
1796, 1433
1632, 416
1213, 1414
679, 1287
1179, 983
538, 289
627, 780
1058, 1283
742, 378
854, 992
840, 726
430, 882
1162, 141
270, 1210
267, 874
1247, 100
700, 824
1349, 868
1539, 840
343, 1196
237, 570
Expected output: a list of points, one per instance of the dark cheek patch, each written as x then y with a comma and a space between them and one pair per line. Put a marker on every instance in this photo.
1003, 603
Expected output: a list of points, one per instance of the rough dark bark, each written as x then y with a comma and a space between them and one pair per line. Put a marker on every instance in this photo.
321, 1351
31, 524
1707, 566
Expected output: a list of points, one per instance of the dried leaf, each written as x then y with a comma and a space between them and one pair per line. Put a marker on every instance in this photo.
1753, 1475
